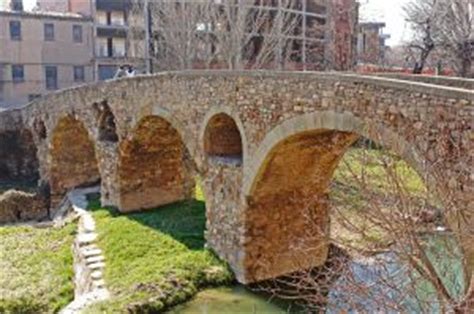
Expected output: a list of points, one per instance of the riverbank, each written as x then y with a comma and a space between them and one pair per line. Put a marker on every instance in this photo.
155, 259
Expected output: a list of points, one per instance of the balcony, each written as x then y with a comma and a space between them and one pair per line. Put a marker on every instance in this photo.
112, 31
114, 52
113, 5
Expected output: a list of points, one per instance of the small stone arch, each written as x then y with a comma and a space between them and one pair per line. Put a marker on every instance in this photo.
106, 126
40, 129
72, 158
222, 136
154, 166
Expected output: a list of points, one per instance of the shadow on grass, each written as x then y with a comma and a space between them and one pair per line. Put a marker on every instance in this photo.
184, 221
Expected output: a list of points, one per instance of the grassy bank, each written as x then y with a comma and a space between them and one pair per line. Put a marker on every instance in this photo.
155, 259
36, 273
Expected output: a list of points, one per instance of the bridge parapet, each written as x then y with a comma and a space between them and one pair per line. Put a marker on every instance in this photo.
457, 82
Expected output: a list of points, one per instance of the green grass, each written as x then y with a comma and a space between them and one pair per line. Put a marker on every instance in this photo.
365, 174
156, 259
380, 169
36, 272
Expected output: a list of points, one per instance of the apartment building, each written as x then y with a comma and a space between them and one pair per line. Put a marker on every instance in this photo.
371, 43
341, 40
111, 26
311, 32
111, 30
41, 52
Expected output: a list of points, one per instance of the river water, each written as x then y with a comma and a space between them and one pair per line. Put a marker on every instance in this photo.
369, 273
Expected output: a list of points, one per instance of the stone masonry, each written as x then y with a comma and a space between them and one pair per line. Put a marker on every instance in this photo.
293, 129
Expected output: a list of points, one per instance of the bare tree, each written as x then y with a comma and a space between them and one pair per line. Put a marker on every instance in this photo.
444, 26
243, 34
234, 34
456, 33
423, 17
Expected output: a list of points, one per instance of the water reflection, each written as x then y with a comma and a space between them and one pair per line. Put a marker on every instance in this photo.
384, 284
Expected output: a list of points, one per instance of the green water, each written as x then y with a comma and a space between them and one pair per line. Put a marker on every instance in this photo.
441, 248
235, 299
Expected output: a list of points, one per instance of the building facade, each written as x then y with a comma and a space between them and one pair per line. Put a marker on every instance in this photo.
41, 52
371, 43
111, 26
314, 34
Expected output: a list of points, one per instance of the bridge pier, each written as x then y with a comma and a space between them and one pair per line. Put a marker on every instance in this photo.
224, 212
109, 184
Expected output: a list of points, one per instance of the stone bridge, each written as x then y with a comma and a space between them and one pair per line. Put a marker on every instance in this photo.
260, 141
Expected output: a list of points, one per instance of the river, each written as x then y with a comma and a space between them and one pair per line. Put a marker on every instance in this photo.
369, 273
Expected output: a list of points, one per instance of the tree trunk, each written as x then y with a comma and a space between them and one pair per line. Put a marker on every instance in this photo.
466, 60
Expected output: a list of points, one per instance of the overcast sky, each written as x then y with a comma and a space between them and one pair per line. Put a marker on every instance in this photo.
388, 11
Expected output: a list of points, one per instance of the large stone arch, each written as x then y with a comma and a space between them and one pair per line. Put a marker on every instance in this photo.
72, 157
289, 179
153, 166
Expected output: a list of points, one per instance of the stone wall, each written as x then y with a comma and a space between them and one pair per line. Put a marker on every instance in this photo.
18, 160
429, 126
18, 206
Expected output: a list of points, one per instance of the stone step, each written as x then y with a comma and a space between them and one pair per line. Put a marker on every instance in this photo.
96, 275
94, 259
97, 265
91, 252
99, 283
86, 238
88, 223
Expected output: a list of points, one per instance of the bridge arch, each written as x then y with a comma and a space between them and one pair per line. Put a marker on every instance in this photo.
289, 179
222, 134
330, 120
72, 157
154, 166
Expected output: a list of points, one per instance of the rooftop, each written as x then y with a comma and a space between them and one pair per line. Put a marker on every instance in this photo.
44, 14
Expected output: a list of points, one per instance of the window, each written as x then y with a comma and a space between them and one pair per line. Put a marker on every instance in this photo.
48, 31
51, 74
77, 33
16, 5
15, 30
79, 75
18, 74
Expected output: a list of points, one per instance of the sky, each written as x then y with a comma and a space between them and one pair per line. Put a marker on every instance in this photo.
388, 11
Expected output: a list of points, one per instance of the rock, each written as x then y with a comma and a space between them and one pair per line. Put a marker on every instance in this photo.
18, 206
